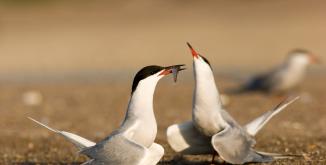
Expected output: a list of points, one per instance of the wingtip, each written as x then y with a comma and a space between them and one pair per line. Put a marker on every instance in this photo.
296, 98
30, 118
277, 156
44, 125
170, 129
290, 100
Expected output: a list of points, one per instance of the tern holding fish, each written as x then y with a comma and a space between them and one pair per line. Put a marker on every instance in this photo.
132, 143
212, 129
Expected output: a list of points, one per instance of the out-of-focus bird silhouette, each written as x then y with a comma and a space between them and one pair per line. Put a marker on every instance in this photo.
282, 78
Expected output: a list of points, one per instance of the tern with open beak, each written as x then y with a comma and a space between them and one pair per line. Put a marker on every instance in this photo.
132, 143
212, 130
282, 78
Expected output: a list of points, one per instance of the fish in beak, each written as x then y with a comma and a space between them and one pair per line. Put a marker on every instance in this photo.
174, 69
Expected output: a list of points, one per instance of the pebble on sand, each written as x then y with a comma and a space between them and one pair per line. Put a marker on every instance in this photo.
32, 98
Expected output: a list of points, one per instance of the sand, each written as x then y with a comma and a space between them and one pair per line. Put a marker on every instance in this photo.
70, 64
93, 110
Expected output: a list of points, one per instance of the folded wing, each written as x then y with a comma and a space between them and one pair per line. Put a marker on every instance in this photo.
233, 145
185, 138
117, 150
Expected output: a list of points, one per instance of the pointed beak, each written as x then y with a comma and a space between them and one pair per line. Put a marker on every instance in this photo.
174, 69
193, 52
314, 59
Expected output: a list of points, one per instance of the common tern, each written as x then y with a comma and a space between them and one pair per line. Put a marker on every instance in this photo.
212, 129
132, 143
284, 77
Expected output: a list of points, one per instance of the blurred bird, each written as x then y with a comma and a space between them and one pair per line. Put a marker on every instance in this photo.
212, 129
132, 143
283, 77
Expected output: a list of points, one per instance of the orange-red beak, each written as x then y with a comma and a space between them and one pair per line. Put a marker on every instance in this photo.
193, 52
166, 72
314, 59
175, 69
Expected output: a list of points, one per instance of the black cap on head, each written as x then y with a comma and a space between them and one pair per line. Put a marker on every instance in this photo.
205, 59
300, 50
297, 51
153, 69
196, 54
143, 73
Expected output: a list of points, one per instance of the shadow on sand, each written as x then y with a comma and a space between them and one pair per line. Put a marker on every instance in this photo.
169, 162
179, 160
45, 163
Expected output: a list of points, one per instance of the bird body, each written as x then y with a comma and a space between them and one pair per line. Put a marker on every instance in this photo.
212, 128
140, 124
206, 102
133, 142
283, 77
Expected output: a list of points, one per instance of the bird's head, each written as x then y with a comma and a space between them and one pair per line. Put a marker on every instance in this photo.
153, 73
302, 57
200, 62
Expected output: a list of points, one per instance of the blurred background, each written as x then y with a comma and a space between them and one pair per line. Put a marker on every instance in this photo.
47, 39
70, 64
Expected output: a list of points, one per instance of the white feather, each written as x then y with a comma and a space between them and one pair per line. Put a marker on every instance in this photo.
78, 141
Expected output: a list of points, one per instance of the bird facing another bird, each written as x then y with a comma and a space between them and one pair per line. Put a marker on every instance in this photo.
211, 130
133, 142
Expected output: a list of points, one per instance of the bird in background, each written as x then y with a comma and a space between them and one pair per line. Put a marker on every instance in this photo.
212, 129
133, 142
282, 78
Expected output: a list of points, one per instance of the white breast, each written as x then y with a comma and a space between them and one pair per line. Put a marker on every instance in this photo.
140, 123
291, 77
145, 133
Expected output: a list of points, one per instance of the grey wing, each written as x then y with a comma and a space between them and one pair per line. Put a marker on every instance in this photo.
265, 82
277, 156
89, 162
254, 126
185, 138
263, 157
229, 119
233, 145
116, 150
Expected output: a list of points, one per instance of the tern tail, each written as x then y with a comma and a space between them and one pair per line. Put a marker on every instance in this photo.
276, 156
254, 126
80, 142
264, 157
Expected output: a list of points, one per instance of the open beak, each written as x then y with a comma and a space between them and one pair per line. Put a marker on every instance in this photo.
193, 52
314, 59
174, 69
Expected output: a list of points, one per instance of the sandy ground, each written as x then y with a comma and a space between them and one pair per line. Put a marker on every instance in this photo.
93, 110
78, 55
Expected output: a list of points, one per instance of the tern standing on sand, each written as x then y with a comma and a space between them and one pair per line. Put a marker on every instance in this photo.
132, 143
283, 77
212, 129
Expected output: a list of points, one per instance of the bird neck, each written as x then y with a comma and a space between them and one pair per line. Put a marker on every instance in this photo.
140, 123
207, 107
141, 101
295, 67
297, 62
206, 92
